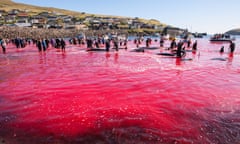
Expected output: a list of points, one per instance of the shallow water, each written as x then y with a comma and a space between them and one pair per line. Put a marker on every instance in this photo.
120, 97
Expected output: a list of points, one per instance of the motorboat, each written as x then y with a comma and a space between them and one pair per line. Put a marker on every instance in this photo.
221, 38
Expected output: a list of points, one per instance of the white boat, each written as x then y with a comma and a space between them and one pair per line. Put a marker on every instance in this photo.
221, 38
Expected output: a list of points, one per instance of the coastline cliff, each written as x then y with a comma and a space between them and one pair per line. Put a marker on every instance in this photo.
234, 32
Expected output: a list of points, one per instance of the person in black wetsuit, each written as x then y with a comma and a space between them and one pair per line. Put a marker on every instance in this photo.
173, 44
97, 44
147, 42
115, 42
125, 43
222, 49
179, 49
161, 41
89, 43
232, 46
194, 47
63, 45
189, 43
39, 45
107, 44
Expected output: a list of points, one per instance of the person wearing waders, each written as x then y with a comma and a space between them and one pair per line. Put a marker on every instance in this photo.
107, 44
232, 47
39, 45
222, 49
179, 49
161, 41
116, 43
63, 45
194, 47
173, 44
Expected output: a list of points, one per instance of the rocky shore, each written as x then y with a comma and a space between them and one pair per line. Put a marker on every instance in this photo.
13, 32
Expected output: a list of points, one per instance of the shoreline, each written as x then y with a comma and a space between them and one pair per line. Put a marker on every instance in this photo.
33, 33
7, 32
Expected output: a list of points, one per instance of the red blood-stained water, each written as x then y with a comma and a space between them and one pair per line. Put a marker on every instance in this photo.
120, 97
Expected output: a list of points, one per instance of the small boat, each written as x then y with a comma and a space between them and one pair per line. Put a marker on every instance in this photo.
221, 38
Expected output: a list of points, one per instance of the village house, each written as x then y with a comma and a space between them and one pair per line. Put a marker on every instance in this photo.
13, 12
135, 25
159, 27
88, 19
81, 26
23, 20
22, 17
95, 24
65, 18
11, 16
3, 13
44, 14
51, 18
38, 22
57, 20
10, 19
23, 24
147, 26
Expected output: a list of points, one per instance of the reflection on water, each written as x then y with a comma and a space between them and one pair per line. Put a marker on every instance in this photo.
119, 97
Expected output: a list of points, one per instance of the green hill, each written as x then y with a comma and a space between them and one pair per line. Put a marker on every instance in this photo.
8, 5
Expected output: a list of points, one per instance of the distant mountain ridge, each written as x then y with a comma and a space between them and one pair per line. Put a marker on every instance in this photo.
8, 5
234, 32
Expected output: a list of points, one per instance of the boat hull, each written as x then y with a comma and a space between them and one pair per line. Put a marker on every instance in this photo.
220, 40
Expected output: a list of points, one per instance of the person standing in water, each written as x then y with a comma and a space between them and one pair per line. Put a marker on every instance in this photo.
107, 45
147, 42
39, 45
189, 43
63, 45
173, 44
161, 41
194, 47
4, 45
179, 49
125, 43
115, 42
232, 46
222, 49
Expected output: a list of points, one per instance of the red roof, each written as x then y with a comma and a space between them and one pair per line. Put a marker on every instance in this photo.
22, 15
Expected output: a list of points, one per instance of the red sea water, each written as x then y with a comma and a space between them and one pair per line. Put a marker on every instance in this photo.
120, 97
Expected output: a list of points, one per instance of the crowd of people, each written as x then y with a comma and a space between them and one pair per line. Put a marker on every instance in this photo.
43, 38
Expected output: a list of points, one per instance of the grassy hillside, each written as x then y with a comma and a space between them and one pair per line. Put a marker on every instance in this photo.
9, 5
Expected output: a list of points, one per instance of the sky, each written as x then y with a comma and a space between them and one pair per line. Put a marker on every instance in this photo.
210, 16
